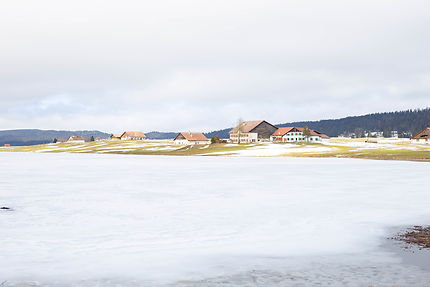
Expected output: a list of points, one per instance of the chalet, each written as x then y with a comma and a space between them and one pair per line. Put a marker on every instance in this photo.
295, 134
132, 136
188, 138
115, 137
252, 131
76, 139
423, 136
61, 140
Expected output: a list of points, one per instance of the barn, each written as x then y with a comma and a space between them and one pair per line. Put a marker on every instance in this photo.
252, 131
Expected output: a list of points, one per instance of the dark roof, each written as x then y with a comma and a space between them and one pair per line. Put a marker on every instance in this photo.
248, 126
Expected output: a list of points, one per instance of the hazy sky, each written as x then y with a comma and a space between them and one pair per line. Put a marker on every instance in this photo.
200, 65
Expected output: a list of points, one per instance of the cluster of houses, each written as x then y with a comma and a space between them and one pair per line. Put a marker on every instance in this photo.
256, 131
246, 132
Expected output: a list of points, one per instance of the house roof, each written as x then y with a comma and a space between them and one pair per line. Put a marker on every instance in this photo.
76, 138
115, 135
61, 140
283, 131
193, 136
247, 126
133, 134
424, 134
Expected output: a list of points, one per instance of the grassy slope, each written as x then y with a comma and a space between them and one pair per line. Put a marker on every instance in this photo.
402, 151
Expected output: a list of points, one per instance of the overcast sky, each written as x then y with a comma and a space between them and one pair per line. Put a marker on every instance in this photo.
200, 65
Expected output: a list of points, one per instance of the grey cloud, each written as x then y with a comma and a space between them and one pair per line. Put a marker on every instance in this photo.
172, 65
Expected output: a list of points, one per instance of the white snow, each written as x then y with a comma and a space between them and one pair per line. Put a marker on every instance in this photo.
160, 219
274, 149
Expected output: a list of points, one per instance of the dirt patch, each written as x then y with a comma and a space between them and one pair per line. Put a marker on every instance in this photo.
418, 236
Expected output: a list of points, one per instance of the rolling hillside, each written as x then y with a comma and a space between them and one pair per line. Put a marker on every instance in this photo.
26, 137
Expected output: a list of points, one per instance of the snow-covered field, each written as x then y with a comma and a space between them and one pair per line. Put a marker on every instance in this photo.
125, 220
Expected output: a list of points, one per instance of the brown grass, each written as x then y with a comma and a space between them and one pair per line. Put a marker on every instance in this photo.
417, 236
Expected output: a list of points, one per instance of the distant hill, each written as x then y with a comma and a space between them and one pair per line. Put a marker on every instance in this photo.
406, 123
161, 135
33, 136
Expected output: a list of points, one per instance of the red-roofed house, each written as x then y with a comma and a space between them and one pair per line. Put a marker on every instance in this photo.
423, 136
188, 138
115, 137
133, 136
295, 134
76, 139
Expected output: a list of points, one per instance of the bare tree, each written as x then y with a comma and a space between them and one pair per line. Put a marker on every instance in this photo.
359, 132
306, 133
240, 129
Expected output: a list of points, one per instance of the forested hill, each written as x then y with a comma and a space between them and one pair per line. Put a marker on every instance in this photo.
406, 123
34, 136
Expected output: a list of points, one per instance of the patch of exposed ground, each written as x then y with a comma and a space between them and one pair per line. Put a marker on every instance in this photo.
418, 236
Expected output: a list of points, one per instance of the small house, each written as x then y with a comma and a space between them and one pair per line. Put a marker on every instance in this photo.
115, 137
127, 136
76, 139
188, 138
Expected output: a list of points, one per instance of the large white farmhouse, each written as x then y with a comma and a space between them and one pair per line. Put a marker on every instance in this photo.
252, 131
295, 134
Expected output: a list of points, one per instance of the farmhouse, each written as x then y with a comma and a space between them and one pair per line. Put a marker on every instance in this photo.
61, 140
115, 137
252, 131
76, 139
295, 134
423, 136
132, 136
189, 138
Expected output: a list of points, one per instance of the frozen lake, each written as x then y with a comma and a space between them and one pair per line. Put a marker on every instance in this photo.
119, 220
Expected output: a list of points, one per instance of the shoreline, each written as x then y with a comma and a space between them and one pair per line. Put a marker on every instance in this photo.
358, 150
410, 254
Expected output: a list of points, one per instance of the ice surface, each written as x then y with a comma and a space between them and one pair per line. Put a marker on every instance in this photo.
201, 221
